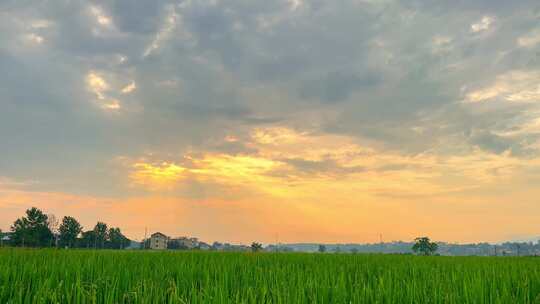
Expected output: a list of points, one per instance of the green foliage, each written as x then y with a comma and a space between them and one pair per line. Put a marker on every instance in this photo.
102, 237
100, 234
176, 245
255, 247
32, 230
89, 276
322, 248
69, 231
424, 246
116, 240
88, 240
36, 230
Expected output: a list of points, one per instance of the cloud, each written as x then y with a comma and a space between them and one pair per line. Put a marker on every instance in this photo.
483, 25
129, 88
491, 142
209, 168
275, 135
100, 16
295, 4
529, 40
513, 86
34, 38
169, 25
442, 44
41, 24
399, 101
279, 167
157, 177
97, 85
338, 86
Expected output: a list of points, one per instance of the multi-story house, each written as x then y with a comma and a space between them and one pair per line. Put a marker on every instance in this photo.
158, 241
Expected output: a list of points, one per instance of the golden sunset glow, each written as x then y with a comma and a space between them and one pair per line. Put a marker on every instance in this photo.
282, 168
157, 177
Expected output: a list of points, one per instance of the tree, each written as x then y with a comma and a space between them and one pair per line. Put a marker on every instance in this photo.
116, 239
424, 246
32, 230
88, 239
255, 247
176, 245
69, 231
322, 248
100, 232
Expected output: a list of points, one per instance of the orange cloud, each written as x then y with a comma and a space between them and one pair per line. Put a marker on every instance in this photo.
157, 177
310, 187
290, 164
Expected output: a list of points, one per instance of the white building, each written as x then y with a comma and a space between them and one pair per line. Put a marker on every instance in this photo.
158, 241
187, 243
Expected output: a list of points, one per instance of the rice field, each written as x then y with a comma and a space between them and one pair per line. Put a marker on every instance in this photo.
81, 276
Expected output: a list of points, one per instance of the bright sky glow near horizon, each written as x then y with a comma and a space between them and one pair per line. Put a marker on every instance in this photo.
296, 120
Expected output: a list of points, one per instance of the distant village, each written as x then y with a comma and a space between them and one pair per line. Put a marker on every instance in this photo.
521, 248
39, 230
160, 241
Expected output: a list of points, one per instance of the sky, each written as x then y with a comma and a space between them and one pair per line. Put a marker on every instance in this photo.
274, 121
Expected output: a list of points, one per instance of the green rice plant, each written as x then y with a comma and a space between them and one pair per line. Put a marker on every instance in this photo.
86, 276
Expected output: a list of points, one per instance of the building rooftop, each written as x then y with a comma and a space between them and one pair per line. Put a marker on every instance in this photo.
159, 234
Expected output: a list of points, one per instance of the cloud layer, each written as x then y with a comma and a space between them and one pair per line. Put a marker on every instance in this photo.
383, 106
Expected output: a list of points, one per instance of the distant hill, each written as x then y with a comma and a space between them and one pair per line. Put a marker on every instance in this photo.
524, 247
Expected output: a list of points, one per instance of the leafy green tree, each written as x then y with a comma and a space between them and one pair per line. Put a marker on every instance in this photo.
69, 230
116, 239
322, 248
255, 247
100, 231
424, 246
176, 245
88, 239
32, 230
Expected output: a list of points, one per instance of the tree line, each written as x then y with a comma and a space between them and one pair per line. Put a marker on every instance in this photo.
421, 246
37, 229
